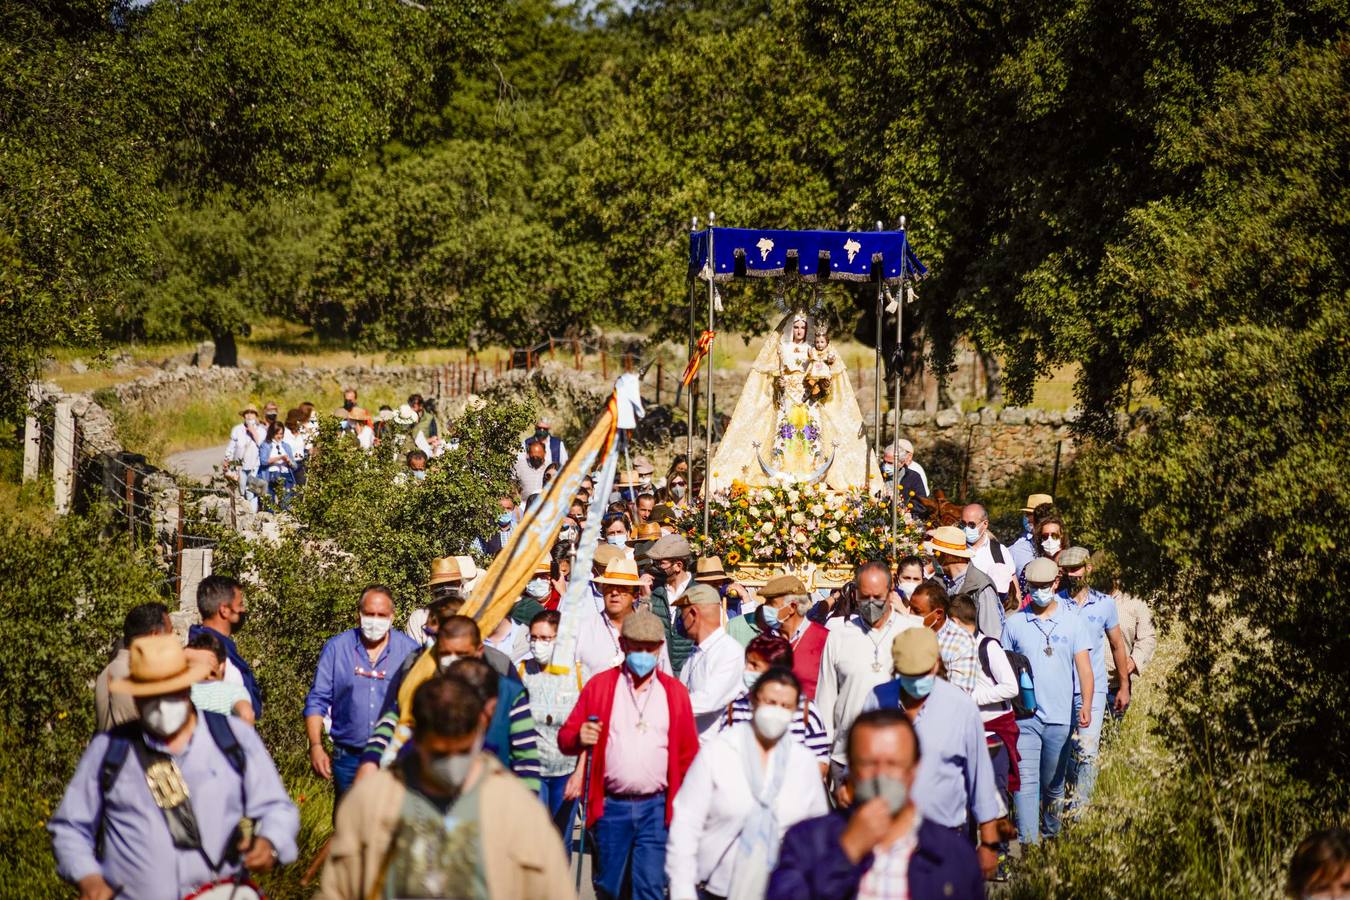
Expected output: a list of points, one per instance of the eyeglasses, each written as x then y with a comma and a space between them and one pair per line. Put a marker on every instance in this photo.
970, 524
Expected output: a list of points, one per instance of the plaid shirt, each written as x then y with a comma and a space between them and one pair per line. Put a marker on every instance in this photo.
888, 878
956, 646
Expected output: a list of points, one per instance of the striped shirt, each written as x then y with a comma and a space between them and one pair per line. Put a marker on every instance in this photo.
525, 761
219, 696
806, 728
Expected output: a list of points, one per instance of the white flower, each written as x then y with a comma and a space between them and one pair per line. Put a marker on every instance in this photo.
779, 511
800, 537
798, 519
817, 510
834, 536
794, 496
766, 528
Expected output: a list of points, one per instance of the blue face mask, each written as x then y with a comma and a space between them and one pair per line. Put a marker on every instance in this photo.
1026, 525
770, 616
640, 662
918, 686
972, 535
679, 626
505, 519
887, 469
1042, 596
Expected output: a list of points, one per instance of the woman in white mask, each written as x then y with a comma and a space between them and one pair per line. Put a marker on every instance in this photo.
747, 786
552, 696
1050, 537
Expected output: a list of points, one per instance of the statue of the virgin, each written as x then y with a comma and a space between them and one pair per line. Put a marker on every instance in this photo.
797, 420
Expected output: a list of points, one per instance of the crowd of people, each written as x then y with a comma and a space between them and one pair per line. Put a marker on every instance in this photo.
888, 737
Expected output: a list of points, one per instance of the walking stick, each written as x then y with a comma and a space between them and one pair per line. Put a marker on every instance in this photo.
585, 797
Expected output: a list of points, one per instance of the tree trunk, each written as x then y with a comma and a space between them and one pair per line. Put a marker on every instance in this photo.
227, 352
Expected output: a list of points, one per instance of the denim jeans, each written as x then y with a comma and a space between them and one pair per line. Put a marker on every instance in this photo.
249, 497
1086, 743
630, 849
345, 762
563, 811
1045, 756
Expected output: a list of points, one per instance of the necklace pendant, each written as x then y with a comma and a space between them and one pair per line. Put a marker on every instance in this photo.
1049, 651
642, 727
876, 667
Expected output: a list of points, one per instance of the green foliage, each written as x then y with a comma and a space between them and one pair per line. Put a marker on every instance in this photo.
67, 590
360, 523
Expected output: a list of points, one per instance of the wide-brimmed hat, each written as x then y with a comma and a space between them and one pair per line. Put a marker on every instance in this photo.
159, 665
663, 514
643, 625
1035, 500
645, 531
949, 540
622, 572
643, 466
628, 478
671, 546
606, 554
271, 407
915, 651
452, 568
248, 409
358, 414
405, 416
781, 586
544, 566
709, 569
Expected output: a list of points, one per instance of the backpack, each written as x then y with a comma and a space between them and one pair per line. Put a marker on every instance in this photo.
1024, 701
119, 746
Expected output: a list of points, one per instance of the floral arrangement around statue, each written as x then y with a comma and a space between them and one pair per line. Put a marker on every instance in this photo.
796, 524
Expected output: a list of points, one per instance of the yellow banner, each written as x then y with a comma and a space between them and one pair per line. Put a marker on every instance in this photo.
504, 581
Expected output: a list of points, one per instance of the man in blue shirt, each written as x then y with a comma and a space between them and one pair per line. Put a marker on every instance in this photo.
354, 673
955, 781
114, 835
220, 602
1052, 638
1098, 617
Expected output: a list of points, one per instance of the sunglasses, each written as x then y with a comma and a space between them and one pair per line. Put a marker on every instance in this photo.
970, 524
677, 484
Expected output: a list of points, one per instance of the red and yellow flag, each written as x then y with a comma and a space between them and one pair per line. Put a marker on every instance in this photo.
505, 580
702, 349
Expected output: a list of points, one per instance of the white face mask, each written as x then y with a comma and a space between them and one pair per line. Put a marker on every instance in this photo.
452, 770
537, 588
616, 540
542, 650
163, 716
1051, 545
749, 677
374, 628
770, 722
906, 588
677, 491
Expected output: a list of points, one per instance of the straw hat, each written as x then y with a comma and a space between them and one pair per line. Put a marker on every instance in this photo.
452, 568
645, 531
949, 540
248, 409
1035, 500
358, 414
405, 416
159, 665
544, 566
629, 478
622, 572
710, 569
606, 554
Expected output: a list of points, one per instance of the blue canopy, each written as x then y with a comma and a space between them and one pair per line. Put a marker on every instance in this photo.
813, 255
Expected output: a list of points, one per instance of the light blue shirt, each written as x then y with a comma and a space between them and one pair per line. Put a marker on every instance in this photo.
139, 857
1063, 633
1097, 615
955, 774
1022, 552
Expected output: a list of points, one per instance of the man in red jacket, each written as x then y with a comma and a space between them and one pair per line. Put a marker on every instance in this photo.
639, 726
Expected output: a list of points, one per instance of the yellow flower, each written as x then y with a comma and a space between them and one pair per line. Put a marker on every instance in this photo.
797, 417
733, 557
851, 543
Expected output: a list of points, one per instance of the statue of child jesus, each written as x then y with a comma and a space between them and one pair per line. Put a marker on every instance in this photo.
820, 368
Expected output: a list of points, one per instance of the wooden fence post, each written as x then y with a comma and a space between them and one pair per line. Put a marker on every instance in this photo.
130, 478
658, 382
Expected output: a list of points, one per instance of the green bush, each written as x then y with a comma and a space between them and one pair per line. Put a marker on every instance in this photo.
66, 591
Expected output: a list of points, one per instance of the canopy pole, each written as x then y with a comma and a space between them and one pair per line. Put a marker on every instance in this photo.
876, 379
689, 435
707, 441
899, 372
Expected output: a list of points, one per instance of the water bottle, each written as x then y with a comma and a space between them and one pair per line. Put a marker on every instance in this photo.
1027, 691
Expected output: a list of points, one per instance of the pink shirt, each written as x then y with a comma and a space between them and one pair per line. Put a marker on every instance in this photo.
639, 738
